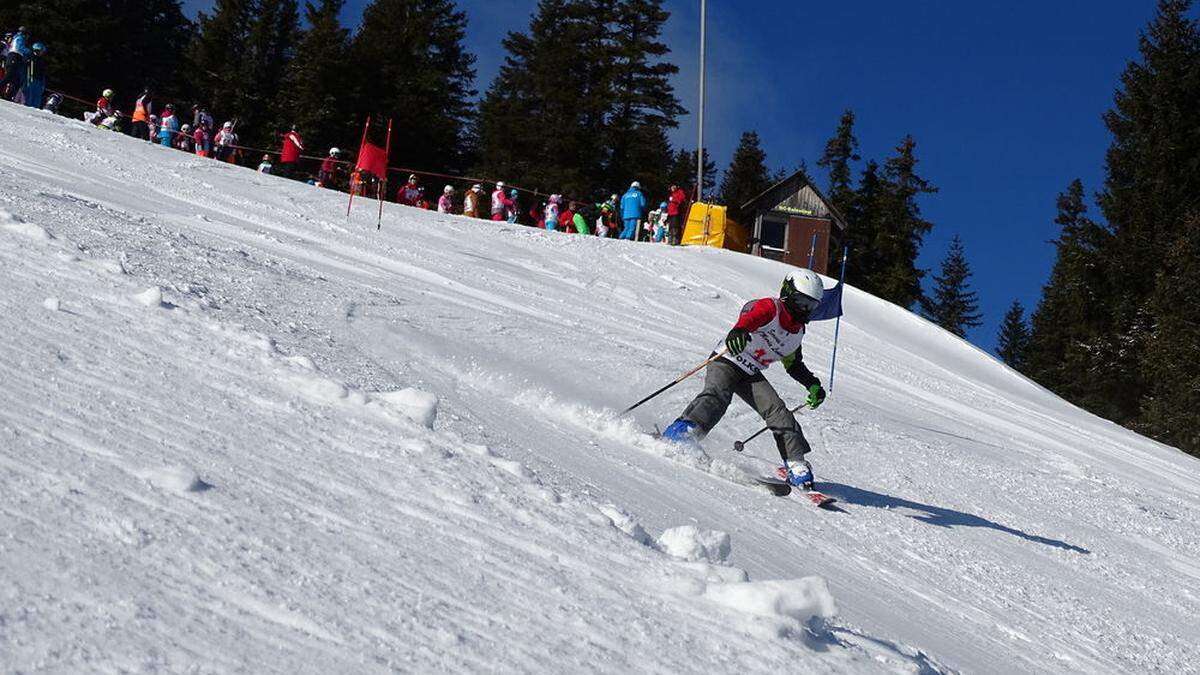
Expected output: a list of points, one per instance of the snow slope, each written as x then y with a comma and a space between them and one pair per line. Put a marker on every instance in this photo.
241, 433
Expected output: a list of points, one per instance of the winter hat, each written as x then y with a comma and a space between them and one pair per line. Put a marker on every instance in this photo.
477, 187
513, 193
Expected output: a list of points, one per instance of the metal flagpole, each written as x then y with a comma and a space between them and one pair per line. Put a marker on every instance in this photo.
837, 326
700, 141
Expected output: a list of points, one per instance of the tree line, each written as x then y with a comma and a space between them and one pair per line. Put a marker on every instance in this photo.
1117, 328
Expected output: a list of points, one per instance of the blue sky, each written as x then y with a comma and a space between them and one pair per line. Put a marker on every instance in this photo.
1004, 99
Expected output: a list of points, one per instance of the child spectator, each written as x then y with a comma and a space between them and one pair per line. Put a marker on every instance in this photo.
265, 165
445, 205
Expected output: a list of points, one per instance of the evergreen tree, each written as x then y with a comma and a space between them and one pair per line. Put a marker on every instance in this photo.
683, 171
1073, 338
747, 175
954, 306
83, 58
840, 151
899, 229
238, 61
410, 66
542, 121
1152, 181
312, 93
863, 213
643, 100
1012, 344
1171, 362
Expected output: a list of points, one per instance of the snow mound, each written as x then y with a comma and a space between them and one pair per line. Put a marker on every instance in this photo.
625, 523
52, 304
151, 297
174, 479
799, 599
691, 543
16, 225
419, 406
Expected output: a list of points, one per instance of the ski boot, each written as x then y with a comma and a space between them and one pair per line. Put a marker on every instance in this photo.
797, 473
683, 432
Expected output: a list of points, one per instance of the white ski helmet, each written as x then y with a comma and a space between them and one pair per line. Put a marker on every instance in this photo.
448, 189
334, 152
635, 184
499, 185
801, 292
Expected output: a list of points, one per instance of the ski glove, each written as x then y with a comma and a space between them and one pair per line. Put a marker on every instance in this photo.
816, 395
737, 340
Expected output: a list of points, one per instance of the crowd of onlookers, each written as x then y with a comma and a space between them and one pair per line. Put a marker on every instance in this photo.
23, 64
627, 216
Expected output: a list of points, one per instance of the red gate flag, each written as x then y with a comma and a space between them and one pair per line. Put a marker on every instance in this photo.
372, 157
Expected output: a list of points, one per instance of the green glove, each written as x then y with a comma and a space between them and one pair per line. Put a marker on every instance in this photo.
737, 340
816, 395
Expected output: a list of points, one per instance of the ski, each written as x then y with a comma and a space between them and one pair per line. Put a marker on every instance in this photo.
782, 489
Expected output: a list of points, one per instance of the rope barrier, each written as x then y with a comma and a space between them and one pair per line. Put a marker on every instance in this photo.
347, 163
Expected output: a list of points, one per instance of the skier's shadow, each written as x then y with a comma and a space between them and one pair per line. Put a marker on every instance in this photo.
934, 515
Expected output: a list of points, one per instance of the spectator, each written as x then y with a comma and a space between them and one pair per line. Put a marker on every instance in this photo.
422, 202
265, 165
168, 126
201, 141
501, 204
15, 65
675, 215
53, 102
143, 110
537, 215
445, 203
633, 207
184, 141
511, 216
201, 118
290, 155
653, 220
566, 219
224, 143
578, 220
552, 213
35, 84
328, 174
603, 221
410, 192
104, 108
471, 201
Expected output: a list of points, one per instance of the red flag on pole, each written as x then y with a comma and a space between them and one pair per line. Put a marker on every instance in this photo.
373, 158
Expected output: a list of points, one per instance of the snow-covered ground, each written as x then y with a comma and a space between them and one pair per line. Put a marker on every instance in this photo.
241, 433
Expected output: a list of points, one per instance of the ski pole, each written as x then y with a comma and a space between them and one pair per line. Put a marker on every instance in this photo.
681, 378
741, 445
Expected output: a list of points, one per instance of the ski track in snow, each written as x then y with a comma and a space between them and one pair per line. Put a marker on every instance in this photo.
241, 433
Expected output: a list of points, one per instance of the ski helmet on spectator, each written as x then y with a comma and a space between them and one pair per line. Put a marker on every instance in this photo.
801, 292
227, 125
107, 93
412, 177
39, 47
171, 107
448, 189
477, 187
186, 128
499, 185
334, 152
663, 205
635, 184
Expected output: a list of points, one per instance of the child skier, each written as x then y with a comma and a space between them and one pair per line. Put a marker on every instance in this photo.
768, 330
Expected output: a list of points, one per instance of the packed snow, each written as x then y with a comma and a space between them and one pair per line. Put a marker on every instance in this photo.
243, 433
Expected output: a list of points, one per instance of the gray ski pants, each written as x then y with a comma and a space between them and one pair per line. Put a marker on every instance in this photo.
722, 380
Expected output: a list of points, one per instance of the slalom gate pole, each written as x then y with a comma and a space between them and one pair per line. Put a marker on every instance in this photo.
741, 445
350, 203
681, 378
837, 326
387, 152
